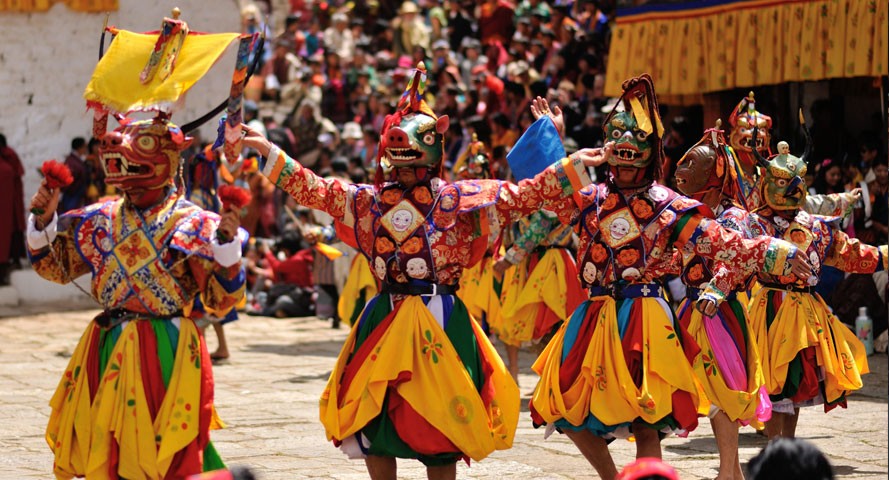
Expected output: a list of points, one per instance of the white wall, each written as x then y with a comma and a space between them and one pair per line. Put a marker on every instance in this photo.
46, 60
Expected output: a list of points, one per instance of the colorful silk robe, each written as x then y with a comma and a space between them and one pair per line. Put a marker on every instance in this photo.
595, 373
728, 366
795, 331
141, 374
541, 288
405, 364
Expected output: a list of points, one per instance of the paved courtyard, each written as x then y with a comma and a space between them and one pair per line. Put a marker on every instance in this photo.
268, 395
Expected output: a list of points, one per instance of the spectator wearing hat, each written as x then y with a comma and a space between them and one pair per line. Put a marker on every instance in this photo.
472, 57
338, 38
495, 21
527, 8
438, 20
571, 108
410, 29
353, 140
523, 27
442, 57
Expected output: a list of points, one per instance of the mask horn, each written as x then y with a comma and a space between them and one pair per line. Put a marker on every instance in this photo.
808, 150
759, 159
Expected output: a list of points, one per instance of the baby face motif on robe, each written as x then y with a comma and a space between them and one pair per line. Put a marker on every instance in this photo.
380, 268
589, 273
416, 268
619, 228
401, 220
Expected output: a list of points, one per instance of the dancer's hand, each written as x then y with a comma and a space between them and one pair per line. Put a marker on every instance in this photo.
44, 204
707, 307
500, 266
856, 195
228, 226
540, 108
800, 267
593, 157
255, 140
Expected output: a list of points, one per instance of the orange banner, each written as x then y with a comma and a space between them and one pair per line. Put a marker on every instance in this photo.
714, 46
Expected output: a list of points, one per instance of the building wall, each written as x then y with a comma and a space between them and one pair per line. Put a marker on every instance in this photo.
46, 60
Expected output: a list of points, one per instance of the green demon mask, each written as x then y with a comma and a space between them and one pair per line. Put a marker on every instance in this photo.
782, 185
632, 147
416, 141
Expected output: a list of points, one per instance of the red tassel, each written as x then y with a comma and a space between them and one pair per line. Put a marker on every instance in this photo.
234, 198
56, 174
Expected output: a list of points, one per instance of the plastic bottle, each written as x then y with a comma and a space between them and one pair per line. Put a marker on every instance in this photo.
864, 328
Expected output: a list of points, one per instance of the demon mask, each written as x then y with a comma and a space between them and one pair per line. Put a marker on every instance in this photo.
709, 167
413, 136
636, 131
142, 154
783, 186
416, 141
743, 120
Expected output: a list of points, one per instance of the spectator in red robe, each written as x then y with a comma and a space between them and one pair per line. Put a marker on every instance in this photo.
12, 216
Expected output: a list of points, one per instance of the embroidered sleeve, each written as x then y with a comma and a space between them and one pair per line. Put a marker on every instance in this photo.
852, 256
333, 196
712, 241
54, 254
833, 205
725, 278
551, 188
221, 288
539, 225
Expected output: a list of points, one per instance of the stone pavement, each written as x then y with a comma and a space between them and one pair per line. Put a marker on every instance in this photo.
268, 394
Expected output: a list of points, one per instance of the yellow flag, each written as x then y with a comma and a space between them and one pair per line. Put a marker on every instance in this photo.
115, 82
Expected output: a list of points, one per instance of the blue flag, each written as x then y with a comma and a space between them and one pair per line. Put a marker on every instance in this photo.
537, 148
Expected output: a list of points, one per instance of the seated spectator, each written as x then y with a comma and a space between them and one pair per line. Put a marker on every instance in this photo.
291, 293
789, 459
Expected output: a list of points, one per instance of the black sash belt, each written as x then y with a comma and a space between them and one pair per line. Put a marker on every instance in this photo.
790, 287
417, 289
115, 316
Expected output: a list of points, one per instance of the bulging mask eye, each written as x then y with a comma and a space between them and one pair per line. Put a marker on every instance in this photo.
781, 182
429, 138
641, 136
615, 134
147, 143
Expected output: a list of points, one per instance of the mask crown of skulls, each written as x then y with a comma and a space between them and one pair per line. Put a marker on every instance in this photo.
413, 136
743, 120
783, 185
